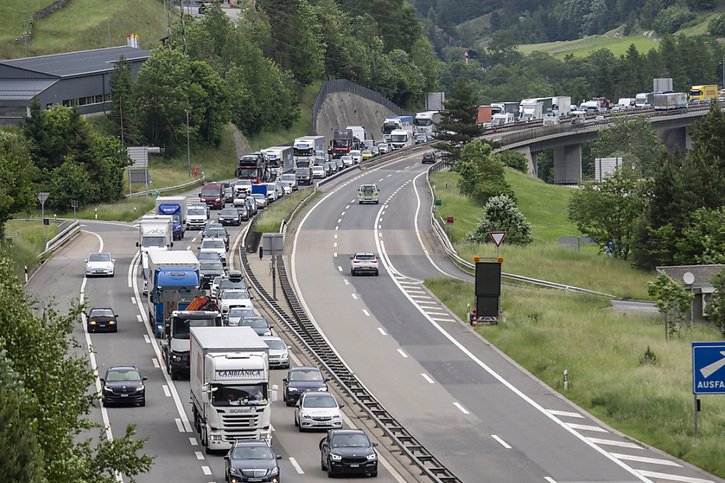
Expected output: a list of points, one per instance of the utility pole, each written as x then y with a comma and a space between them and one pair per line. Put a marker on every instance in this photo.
109, 24
188, 145
25, 33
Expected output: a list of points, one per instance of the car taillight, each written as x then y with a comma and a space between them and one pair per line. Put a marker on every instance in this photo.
355, 261
374, 261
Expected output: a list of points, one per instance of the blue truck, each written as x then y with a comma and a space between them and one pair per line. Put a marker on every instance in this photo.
174, 206
174, 281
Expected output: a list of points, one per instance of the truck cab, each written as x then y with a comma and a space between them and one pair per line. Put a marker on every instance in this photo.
175, 338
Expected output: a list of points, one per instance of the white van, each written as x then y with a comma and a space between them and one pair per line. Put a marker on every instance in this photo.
368, 193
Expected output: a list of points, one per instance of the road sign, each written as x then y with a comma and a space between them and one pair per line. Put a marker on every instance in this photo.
497, 237
438, 202
708, 367
42, 196
450, 220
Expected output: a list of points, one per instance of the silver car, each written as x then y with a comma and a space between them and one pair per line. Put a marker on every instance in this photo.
278, 351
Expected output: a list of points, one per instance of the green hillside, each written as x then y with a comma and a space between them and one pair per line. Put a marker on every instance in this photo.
80, 25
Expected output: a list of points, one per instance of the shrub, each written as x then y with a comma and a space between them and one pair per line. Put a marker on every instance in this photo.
501, 214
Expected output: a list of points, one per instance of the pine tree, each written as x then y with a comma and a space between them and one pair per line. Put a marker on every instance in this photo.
458, 121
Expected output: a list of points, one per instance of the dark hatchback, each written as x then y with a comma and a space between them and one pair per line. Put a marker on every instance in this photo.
123, 385
302, 379
103, 319
208, 271
250, 460
348, 452
428, 157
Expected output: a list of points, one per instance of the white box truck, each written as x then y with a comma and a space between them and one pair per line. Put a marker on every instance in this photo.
155, 233
229, 385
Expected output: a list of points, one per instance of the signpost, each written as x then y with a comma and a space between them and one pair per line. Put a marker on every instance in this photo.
273, 244
42, 196
708, 370
497, 237
74, 205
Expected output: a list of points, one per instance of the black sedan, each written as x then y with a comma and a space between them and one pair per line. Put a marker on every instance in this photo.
123, 385
208, 271
229, 216
102, 318
348, 452
251, 460
302, 379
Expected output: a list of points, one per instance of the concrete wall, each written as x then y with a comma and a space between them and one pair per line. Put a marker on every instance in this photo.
340, 109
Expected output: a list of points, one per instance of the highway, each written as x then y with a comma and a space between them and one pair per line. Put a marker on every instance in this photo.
471, 406
485, 417
165, 419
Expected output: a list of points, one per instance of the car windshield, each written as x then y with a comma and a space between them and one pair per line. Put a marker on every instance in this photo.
154, 241
116, 375
368, 190
208, 257
302, 171
240, 312
197, 211
274, 343
102, 313
99, 257
244, 182
210, 192
181, 326
365, 256
288, 177
235, 294
256, 322
216, 233
228, 212
259, 196
211, 266
318, 168
209, 243
350, 441
326, 401
226, 283
252, 453
399, 138
305, 375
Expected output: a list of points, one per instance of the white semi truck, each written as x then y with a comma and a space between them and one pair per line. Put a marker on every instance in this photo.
308, 147
156, 233
401, 138
229, 385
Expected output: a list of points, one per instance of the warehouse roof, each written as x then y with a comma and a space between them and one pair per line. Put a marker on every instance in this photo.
73, 64
23, 89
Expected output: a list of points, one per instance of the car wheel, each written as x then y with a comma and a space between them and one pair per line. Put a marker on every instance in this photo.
376, 273
352, 273
104, 402
374, 474
143, 402
322, 464
173, 374
296, 423
330, 474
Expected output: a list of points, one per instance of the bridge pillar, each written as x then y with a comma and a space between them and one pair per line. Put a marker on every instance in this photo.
677, 139
530, 157
568, 164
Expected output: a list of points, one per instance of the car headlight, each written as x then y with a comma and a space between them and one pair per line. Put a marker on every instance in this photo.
335, 457
291, 389
233, 470
108, 388
323, 388
372, 457
274, 471
175, 357
140, 388
306, 416
92, 322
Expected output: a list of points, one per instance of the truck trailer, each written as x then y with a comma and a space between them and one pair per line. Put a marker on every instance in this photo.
173, 282
280, 160
229, 386
308, 147
155, 234
669, 100
174, 206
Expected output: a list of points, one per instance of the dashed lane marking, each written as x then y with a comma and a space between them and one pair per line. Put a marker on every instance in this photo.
206, 470
354, 296
587, 427
568, 414
156, 362
146, 339
427, 378
193, 442
501, 441
461, 408
179, 426
199, 455
296, 466
380, 329
367, 314
167, 393
339, 268
402, 353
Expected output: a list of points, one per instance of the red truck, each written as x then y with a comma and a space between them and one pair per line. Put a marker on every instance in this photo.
342, 143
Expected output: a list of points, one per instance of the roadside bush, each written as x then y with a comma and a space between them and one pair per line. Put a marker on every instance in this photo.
501, 214
514, 160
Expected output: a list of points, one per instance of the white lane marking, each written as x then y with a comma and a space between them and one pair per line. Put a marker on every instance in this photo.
442, 320
366, 312
611, 442
335, 236
296, 466
146, 339
199, 455
435, 313
400, 351
501, 441
550, 479
193, 240
382, 213
569, 414
354, 296
334, 254
382, 331
156, 362
206, 470
342, 214
644, 459
189, 248
381, 179
346, 207
133, 300
390, 175
339, 220
179, 425
415, 290
665, 476
461, 408
192, 441
337, 228
380, 227
334, 245
425, 297
346, 281
186, 426
339, 268
586, 427
138, 317
427, 378
167, 393
380, 235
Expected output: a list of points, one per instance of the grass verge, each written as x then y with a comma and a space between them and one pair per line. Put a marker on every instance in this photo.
270, 220
545, 207
548, 332
27, 242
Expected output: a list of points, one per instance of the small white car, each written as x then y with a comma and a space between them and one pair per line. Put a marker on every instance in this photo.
318, 171
261, 200
382, 148
317, 410
196, 217
100, 264
356, 156
234, 297
215, 245
364, 263
243, 186
347, 161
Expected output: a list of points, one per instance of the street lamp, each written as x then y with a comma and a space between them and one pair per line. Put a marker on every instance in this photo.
188, 146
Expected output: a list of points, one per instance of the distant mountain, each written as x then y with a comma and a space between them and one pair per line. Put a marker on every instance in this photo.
475, 22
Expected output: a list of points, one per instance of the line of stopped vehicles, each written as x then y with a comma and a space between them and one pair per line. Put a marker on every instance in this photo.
210, 330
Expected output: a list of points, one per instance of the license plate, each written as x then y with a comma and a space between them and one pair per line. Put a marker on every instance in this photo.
254, 479
124, 395
354, 465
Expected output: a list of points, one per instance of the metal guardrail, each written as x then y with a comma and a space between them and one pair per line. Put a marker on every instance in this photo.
168, 188
469, 267
68, 230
